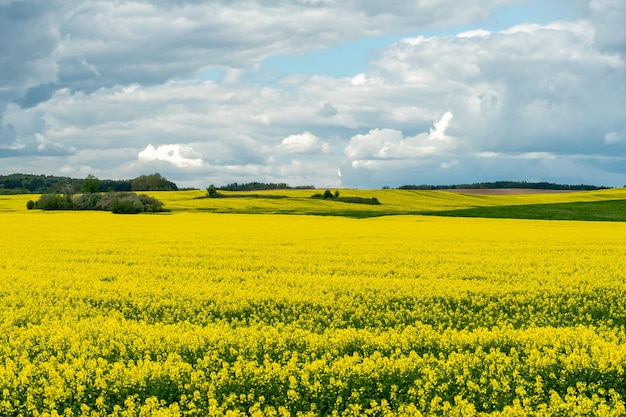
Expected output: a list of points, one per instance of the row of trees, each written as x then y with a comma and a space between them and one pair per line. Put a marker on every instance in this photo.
258, 186
43, 184
214, 192
504, 184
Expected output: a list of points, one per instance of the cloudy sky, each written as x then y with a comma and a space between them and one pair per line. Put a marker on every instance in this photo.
332, 93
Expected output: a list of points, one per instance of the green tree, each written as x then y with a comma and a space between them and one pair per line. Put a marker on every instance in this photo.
153, 182
54, 202
91, 184
211, 191
68, 194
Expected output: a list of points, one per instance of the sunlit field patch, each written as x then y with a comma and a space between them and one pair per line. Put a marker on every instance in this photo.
392, 202
198, 313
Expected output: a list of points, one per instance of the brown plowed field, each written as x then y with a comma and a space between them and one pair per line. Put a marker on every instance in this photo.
496, 191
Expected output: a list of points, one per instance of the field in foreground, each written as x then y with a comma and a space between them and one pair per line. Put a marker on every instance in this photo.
194, 313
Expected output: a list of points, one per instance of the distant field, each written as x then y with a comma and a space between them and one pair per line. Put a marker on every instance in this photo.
603, 205
392, 202
463, 203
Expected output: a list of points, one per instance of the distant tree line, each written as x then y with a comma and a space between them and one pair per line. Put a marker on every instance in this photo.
48, 184
505, 184
257, 186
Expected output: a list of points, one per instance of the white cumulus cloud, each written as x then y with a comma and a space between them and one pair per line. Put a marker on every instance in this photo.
391, 143
304, 143
178, 155
612, 138
76, 94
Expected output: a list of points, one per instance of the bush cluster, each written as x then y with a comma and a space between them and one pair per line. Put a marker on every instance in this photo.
116, 202
327, 194
335, 196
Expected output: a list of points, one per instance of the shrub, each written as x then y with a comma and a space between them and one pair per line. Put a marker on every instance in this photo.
132, 204
127, 207
30, 205
117, 202
54, 202
150, 204
108, 200
87, 201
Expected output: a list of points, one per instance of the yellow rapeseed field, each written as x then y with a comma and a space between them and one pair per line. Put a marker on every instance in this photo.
392, 201
193, 313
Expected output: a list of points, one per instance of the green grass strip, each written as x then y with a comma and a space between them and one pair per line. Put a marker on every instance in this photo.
610, 210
